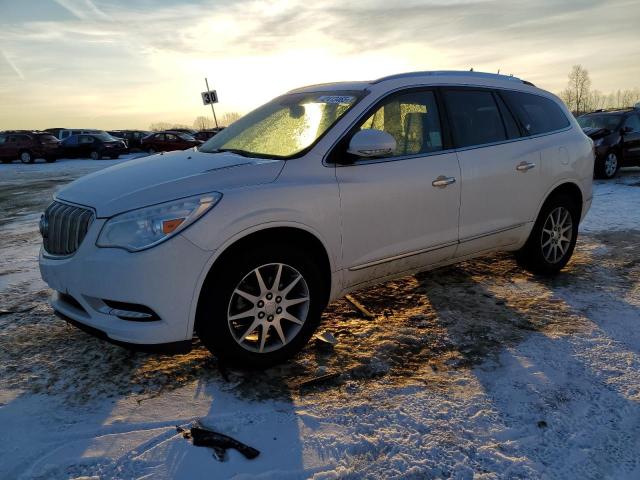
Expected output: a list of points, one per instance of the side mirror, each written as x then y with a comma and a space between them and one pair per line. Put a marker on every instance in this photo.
370, 143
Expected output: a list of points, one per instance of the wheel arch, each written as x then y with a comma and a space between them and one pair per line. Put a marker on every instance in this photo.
570, 188
297, 234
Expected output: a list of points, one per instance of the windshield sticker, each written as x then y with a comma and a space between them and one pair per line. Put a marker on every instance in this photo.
336, 99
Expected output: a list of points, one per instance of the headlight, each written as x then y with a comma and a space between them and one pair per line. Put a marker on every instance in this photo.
598, 142
146, 227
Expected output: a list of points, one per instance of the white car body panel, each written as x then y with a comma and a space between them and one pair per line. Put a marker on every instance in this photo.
376, 220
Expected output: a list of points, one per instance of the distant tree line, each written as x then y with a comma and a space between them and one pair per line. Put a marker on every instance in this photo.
200, 123
580, 98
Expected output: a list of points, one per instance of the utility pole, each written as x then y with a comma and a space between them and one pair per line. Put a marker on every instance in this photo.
212, 109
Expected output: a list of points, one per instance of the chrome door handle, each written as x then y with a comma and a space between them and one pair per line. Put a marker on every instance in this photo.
524, 166
443, 181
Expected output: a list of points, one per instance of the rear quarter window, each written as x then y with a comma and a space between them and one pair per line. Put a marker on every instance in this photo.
537, 114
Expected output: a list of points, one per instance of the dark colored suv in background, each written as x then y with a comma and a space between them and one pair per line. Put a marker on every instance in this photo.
26, 146
132, 138
94, 146
169, 141
616, 137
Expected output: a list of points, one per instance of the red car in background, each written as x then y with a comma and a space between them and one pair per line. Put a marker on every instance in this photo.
26, 146
168, 141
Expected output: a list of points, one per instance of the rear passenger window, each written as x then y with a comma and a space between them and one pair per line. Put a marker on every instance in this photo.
537, 114
412, 118
474, 116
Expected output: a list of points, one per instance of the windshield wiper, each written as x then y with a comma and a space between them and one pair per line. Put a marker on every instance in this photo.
243, 153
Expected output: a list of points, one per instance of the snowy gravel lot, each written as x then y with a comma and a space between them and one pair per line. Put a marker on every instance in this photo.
474, 371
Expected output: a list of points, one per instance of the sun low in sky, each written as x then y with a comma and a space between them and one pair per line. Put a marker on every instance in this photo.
126, 64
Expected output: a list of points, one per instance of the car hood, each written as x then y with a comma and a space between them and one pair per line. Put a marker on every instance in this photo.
165, 177
595, 133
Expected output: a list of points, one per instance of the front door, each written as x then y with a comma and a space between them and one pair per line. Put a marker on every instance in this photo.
631, 140
400, 213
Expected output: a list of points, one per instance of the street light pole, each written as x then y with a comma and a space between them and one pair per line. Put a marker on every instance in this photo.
212, 109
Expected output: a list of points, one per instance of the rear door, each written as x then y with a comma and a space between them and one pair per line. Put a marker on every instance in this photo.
500, 173
631, 140
86, 144
394, 218
6, 148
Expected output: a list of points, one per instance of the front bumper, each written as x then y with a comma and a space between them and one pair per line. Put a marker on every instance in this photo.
165, 279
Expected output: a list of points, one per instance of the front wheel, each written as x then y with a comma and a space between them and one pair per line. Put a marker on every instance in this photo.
608, 166
261, 307
95, 155
553, 237
151, 150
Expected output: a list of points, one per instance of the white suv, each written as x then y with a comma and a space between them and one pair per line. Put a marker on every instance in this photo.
324, 190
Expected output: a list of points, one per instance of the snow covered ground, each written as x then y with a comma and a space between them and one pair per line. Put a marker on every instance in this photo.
474, 371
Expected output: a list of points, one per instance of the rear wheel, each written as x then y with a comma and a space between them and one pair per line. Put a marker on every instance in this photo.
261, 307
608, 166
95, 155
151, 150
553, 237
26, 157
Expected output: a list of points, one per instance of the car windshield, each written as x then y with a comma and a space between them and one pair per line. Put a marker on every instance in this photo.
285, 126
609, 121
104, 136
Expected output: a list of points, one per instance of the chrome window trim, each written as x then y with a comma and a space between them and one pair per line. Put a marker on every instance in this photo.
454, 149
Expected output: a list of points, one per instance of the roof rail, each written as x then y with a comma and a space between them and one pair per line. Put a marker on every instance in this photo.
449, 73
612, 110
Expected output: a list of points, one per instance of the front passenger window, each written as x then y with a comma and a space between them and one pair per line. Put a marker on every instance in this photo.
412, 119
634, 122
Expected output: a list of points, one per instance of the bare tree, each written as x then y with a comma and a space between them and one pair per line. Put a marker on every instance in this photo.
229, 117
202, 123
577, 93
159, 126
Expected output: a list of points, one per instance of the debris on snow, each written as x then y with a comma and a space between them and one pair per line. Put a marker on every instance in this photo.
361, 308
318, 380
218, 442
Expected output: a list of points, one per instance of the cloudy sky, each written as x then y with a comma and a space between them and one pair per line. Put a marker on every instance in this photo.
127, 63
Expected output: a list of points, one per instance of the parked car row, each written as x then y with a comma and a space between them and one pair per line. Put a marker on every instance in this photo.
54, 143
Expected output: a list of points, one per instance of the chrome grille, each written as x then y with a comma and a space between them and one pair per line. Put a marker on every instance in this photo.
63, 227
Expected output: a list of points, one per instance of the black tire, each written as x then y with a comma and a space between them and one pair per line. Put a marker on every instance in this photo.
95, 155
211, 319
26, 157
534, 255
607, 166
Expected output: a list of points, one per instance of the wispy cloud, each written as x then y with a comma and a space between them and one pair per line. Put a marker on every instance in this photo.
11, 64
82, 9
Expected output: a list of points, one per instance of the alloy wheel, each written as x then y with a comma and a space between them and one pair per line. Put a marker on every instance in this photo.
25, 157
557, 234
95, 155
268, 308
611, 165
